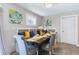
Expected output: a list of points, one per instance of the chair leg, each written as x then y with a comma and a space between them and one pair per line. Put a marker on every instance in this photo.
50, 52
53, 50
37, 52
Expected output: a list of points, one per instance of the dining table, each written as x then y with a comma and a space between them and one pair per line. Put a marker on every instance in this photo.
39, 39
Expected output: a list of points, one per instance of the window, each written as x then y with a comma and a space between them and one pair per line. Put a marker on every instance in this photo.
31, 21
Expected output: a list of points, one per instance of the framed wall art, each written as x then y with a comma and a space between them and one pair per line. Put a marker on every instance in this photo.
15, 17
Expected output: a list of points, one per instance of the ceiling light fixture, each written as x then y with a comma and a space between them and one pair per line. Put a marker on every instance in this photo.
48, 5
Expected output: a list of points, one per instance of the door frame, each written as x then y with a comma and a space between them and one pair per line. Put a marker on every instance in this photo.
76, 28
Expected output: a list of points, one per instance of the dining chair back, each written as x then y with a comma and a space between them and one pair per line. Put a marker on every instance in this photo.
50, 45
52, 42
21, 45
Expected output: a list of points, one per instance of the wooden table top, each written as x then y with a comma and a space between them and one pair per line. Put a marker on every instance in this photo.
39, 39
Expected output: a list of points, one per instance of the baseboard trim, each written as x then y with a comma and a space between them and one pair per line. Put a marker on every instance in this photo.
77, 45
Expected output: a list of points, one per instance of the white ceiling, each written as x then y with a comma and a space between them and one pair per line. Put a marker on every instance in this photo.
40, 9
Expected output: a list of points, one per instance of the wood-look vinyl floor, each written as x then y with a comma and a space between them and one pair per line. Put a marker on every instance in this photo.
66, 49
61, 49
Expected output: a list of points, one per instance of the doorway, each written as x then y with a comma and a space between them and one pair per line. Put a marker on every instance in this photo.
69, 29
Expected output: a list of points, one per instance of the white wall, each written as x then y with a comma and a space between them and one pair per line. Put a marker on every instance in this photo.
0, 35
9, 30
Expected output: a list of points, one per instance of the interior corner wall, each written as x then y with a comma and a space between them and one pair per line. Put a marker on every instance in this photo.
56, 22
9, 30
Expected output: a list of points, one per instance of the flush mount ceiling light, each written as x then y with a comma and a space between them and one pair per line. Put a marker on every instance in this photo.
48, 5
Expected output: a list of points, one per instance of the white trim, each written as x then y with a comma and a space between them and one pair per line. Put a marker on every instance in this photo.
77, 45
76, 28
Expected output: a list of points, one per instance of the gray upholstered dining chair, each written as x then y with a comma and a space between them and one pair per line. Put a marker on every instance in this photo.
20, 45
23, 47
50, 45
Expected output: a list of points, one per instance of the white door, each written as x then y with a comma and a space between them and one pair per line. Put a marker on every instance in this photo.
68, 29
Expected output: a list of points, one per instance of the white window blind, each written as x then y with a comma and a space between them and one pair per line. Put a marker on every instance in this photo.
31, 21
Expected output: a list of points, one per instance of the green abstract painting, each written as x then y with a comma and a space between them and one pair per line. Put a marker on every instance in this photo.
48, 22
15, 17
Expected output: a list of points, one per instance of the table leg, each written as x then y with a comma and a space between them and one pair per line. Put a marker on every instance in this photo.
39, 50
